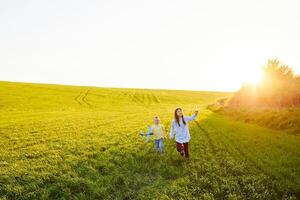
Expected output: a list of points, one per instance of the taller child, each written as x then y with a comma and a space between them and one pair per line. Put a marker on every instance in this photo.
180, 126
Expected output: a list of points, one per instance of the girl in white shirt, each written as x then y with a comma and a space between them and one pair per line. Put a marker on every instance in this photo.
180, 126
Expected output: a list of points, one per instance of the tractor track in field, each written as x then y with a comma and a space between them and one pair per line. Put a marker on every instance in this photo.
138, 98
261, 166
211, 144
155, 98
143, 99
243, 155
235, 147
152, 99
81, 98
77, 98
84, 98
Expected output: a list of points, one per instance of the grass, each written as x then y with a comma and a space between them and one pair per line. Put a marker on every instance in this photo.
65, 142
279, 118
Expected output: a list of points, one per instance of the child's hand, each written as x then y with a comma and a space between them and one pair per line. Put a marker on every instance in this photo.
196, 111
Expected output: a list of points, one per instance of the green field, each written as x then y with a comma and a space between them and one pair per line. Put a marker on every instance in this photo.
67, 142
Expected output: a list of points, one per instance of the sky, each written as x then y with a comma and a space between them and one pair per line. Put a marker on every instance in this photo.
191, 45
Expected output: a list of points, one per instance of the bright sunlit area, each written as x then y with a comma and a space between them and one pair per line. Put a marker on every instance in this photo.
193, 45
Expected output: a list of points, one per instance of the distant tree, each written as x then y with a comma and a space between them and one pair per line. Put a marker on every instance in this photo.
274, 70
279, 87
276, 84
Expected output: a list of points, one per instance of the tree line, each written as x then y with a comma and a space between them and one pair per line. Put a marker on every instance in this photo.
279, 87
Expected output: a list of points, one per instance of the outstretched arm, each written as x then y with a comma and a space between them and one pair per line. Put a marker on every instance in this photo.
193, 117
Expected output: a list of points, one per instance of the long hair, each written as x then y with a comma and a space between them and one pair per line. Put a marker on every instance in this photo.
177, 117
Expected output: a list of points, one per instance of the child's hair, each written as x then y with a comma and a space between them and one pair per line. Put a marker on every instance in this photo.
177, 118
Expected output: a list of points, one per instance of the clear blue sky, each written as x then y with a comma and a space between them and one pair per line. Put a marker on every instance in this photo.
198, 45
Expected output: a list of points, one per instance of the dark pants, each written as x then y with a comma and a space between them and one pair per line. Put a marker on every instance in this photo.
183, 148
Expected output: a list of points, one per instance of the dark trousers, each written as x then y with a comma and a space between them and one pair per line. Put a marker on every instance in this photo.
183, 148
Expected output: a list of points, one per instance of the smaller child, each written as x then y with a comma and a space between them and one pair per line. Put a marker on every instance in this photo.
158, 131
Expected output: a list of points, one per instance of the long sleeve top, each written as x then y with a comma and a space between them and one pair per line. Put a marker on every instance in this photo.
182, 133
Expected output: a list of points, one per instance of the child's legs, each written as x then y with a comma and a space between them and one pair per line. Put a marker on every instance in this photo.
156, 145
186, 149
161, 145
179, 148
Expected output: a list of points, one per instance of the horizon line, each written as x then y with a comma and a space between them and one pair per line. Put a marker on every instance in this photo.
112, 87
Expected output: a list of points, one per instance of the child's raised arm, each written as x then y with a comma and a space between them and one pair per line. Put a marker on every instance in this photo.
193, 117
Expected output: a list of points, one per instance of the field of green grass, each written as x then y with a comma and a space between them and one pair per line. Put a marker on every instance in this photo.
285, 118
67, 142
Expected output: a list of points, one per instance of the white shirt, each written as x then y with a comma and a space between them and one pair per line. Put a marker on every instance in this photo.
182, 131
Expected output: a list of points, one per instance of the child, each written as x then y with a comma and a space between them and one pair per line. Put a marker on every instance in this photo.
158, 131
180, 126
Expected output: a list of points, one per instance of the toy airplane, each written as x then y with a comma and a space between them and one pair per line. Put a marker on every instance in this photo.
142, 134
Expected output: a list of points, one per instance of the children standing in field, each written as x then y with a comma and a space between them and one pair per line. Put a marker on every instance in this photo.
180, 126
158, 131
